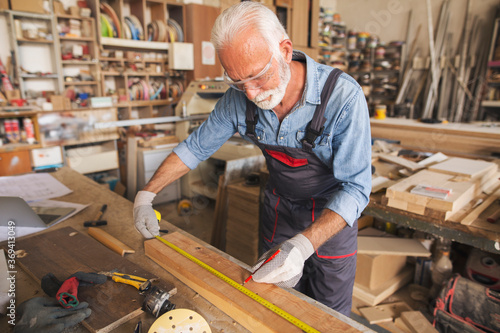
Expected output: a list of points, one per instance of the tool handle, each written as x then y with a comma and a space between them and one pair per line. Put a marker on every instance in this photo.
94, 223
136, 284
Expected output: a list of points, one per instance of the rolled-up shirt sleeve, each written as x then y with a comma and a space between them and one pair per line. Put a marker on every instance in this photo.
211, 134
351, 147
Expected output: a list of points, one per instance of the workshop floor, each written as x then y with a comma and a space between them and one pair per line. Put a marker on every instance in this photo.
198, 223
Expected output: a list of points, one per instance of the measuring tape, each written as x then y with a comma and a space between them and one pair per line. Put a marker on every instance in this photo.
297, 322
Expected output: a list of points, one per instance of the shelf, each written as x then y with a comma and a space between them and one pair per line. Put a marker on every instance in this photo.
111, 74
81, 83
79, 62
40, 77
10, 147
134, 44
35, 41
47, 17
75, 17
491, 104
76, 39
144, 103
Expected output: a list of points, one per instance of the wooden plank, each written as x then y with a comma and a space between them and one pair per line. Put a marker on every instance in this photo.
250, 314
417, 322
400, 161
65, 251
384, 312
374, 297
392, 246
464, 167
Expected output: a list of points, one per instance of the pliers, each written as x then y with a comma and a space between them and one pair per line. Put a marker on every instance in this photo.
140, 283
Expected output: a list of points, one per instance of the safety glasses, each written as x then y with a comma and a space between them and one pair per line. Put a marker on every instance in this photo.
255, 82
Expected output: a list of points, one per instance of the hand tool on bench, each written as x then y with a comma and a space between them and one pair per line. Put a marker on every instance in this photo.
156, 301
97, 220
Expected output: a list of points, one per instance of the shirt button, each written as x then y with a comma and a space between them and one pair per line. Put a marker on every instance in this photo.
281, 138
258, 137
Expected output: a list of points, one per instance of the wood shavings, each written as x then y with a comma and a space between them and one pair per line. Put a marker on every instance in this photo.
21, 254
73, 234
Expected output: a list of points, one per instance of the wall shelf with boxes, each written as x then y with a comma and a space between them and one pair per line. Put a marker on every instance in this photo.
137, 39
33, 35
79, 57
38, 139
332, 41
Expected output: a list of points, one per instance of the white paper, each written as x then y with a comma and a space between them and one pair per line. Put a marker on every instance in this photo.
207, 53
32, 187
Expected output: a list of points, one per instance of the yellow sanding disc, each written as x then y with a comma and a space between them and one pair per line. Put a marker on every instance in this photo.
180, 321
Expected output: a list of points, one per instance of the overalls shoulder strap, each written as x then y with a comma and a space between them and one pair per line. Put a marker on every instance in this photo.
315, 127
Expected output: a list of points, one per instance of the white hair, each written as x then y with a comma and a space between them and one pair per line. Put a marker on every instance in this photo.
247, 14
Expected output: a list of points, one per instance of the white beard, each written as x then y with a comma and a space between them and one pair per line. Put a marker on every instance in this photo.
277, 93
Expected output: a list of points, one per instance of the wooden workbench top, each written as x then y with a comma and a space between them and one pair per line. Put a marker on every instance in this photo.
120, 225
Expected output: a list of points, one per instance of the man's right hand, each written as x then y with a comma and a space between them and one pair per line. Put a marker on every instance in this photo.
144, 216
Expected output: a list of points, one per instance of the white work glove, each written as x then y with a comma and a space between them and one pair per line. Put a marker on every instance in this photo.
144, 216
285, 269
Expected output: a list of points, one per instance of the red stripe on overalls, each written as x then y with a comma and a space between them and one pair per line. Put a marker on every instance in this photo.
275, 220
328, 257
288, 160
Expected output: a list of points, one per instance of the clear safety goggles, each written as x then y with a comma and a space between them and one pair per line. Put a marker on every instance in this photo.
255, 82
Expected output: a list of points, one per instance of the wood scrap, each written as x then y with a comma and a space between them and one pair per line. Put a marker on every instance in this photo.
374, 297
472, 216
413, 166
384, 312
250, 314
380, 182
462, 192
401, 325
392, 246
417, 322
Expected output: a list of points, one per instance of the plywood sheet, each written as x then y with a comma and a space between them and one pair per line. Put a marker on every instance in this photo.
392, 246
237, 305
65, 251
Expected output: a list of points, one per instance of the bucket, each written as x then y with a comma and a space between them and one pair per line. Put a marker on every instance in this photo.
380, 111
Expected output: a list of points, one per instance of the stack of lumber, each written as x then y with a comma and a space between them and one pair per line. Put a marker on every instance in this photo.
465, 178
242, 228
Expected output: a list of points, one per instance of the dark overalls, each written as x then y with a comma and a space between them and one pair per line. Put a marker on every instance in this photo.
299, 187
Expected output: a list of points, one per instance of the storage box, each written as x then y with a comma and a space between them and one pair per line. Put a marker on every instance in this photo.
94, 158
4, 4
373, 270
35, 6
45, 157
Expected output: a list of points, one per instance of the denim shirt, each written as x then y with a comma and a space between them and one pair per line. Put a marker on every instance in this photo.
344, 146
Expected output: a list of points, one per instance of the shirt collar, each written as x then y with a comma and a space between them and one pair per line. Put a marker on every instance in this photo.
312, 91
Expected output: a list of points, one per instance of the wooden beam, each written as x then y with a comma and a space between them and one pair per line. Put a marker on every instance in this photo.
243, 309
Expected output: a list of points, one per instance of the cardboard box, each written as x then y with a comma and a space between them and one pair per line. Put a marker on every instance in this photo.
13, 94
373, 270
57, 102
34, 6
59, 8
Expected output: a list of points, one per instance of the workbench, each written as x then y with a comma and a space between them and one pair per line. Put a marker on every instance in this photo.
121, 226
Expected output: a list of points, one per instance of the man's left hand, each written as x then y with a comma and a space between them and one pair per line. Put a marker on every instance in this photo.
284, 270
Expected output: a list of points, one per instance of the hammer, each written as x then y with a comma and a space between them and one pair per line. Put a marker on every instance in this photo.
97, 222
